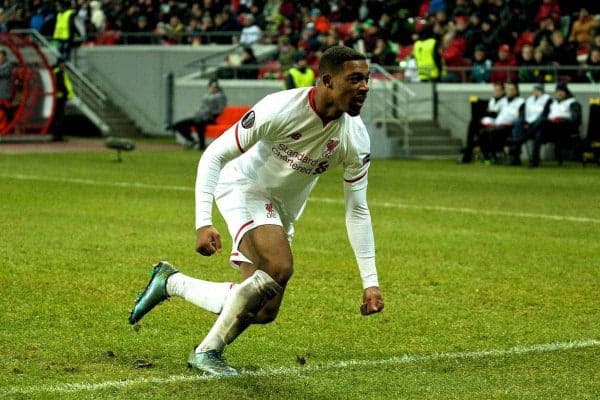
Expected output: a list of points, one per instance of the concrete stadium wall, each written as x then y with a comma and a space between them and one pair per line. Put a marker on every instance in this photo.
455, 107
133, 76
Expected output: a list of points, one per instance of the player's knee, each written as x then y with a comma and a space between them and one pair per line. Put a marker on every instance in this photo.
266, 315
280, 270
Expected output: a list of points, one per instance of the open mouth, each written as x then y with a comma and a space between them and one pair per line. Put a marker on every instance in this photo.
359, 101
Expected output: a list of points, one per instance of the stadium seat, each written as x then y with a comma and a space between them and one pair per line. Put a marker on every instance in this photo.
271, 70
108, 38
345, 29
591, 150
229, 116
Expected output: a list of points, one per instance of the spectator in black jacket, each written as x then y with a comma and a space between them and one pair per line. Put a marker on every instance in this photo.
525, 59
593, 60
563, 53
211, 106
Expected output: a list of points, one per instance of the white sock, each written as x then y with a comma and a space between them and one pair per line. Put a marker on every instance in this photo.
244, 300
210, 296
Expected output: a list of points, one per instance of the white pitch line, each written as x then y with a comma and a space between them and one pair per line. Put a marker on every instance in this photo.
94, 182
406, 359
468, 210
462, 210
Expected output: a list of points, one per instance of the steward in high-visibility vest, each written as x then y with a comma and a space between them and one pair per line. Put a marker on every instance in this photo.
427, 59
64, 29
64, 87
300, 75
64, 92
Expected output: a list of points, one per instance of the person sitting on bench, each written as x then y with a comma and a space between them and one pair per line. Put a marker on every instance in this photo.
495, 104
536, 111
564, 118
211, 106
495, 131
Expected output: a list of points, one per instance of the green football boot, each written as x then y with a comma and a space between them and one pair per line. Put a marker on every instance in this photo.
155, 292
211, 362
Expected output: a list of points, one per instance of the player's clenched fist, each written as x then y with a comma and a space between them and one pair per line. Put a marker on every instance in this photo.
208, 240
372, 301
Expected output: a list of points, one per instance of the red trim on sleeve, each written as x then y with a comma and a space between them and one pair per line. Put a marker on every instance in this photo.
355, 179
237, 138
241, 229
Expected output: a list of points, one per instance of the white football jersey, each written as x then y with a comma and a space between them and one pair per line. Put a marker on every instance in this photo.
286, 146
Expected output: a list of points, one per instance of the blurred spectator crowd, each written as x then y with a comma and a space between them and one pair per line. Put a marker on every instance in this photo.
474, 40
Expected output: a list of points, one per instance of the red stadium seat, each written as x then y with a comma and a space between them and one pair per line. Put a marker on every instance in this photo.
108, 38
345, 29
229, 116
270, 70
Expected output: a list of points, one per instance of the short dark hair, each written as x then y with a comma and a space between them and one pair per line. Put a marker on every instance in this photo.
333, 59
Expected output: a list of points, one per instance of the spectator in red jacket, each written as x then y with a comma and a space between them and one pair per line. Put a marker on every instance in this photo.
453, 54
505, 59
548, 9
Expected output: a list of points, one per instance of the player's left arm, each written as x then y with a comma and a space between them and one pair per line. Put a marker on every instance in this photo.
358, 217
360, 234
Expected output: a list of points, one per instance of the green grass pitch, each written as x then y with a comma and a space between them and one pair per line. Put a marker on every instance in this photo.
491, 278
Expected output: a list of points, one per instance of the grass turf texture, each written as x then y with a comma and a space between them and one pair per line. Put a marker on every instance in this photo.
76, 253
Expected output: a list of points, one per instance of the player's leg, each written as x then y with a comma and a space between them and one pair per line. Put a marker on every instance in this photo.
199, 135
255, 300
167, 281
269, 246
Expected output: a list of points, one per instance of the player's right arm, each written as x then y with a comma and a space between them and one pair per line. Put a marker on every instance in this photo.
235, 141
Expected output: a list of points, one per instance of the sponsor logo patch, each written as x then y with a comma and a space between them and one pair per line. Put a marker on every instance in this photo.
330, 147
248, 120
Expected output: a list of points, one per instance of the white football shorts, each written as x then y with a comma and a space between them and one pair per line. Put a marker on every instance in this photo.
244, 208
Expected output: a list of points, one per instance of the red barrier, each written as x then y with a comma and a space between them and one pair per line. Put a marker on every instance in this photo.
31, 105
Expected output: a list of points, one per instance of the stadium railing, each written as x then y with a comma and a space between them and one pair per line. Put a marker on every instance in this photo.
542, 74
116, 37
392, 103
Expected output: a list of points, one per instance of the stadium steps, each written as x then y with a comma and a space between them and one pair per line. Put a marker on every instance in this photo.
119, 123
427, 140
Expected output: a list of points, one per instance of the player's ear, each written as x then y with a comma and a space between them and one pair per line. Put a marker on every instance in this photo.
327, 81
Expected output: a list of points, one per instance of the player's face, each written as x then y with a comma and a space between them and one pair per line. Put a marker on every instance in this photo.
350, 86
